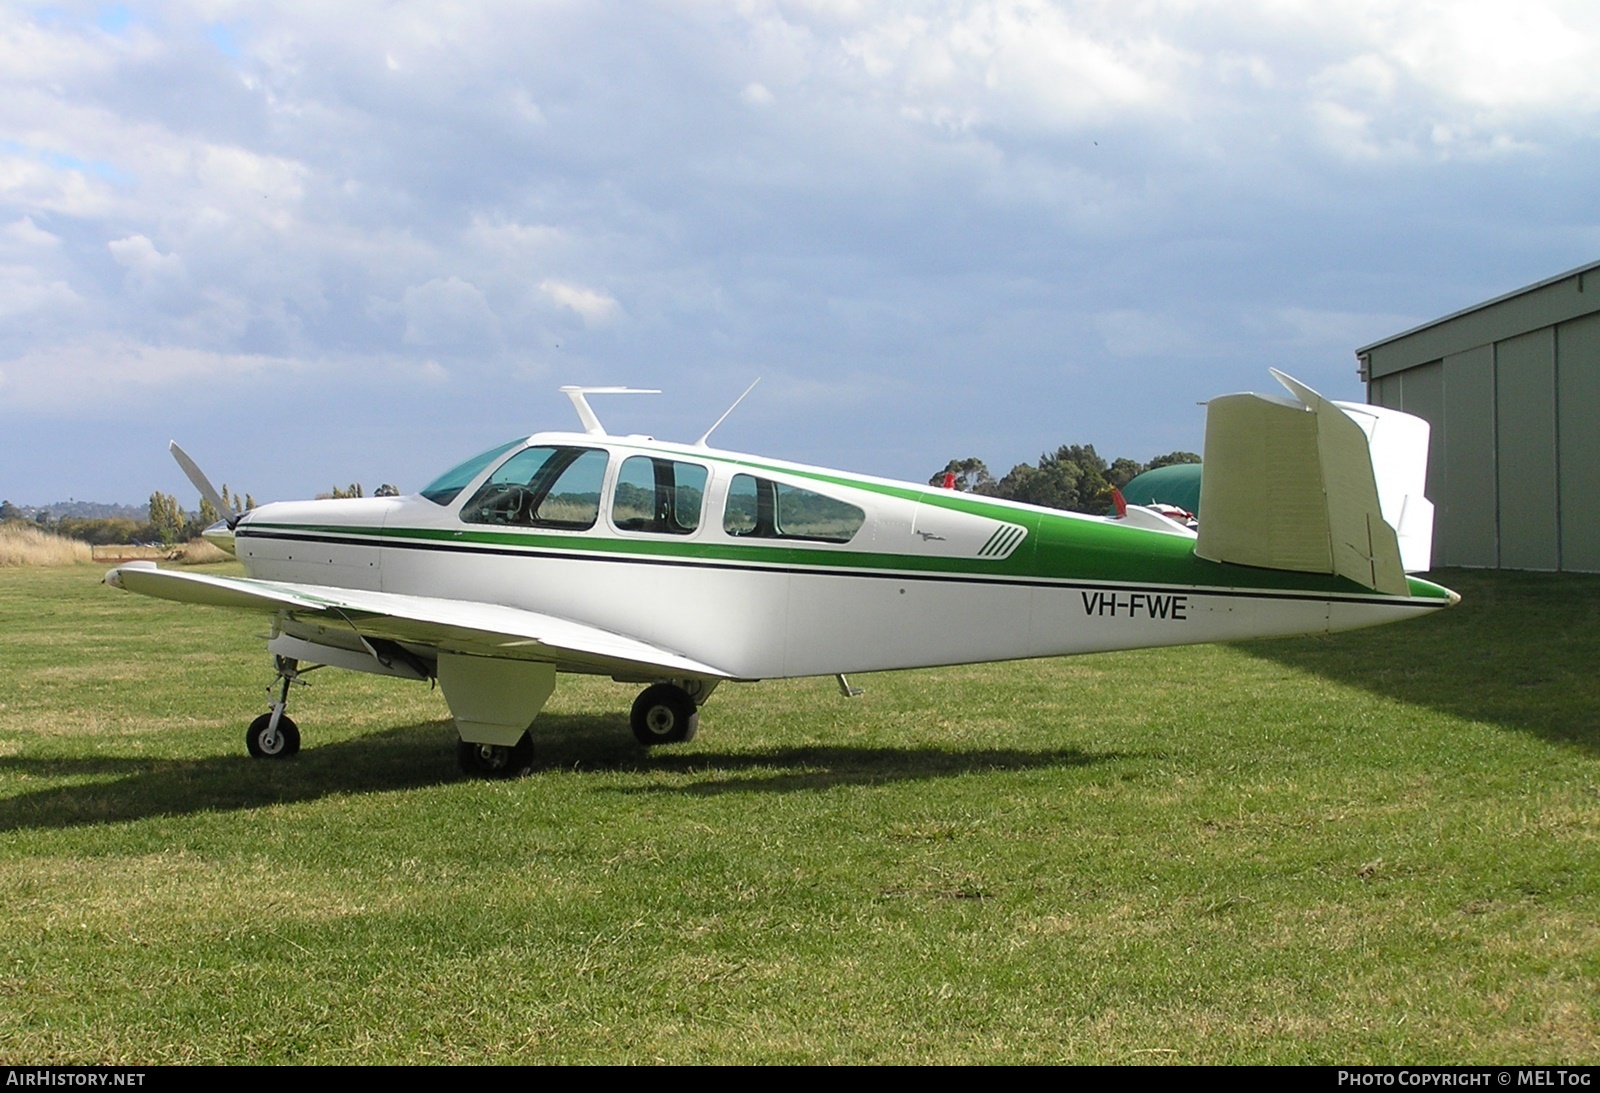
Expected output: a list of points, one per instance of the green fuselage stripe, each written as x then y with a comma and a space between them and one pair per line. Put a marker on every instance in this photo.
1058, 549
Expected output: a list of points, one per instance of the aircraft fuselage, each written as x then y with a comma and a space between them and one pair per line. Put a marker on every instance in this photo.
894, 575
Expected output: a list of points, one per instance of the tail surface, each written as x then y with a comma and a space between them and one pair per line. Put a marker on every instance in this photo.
1315, 486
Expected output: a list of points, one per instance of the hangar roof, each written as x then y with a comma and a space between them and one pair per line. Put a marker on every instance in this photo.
1556, 299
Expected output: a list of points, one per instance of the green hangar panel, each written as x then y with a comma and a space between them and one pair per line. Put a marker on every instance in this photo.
1512, 390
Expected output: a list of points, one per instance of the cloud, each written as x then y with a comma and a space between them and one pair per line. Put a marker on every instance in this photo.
1129, 332
756, 94
23, 291
885, 197
26, 233
234, 183
139, 256
26, 183
596, 308
1015, 64
152, 277
94, 373
448, 313
1334, 332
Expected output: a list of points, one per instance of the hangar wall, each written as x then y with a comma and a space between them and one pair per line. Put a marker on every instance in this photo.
1512, 390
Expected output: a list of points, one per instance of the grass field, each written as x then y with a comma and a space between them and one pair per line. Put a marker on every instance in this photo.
1380, 847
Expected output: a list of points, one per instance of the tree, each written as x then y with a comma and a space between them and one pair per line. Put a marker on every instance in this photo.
1073, 477
1123, 471
1020, 484
972, 476
386, 490
166, 517
100, 530
8, 511
352, 490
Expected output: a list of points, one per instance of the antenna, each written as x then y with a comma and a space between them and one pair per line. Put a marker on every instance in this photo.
591, 424
701, 443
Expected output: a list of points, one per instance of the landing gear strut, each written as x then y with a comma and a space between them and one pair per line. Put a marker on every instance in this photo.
273, 735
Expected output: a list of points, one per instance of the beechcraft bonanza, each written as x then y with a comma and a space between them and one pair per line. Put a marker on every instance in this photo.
682, 567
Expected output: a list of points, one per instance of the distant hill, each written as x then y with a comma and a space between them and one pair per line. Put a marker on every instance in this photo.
86, 510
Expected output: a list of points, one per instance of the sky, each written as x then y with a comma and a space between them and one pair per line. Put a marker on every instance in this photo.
323, 243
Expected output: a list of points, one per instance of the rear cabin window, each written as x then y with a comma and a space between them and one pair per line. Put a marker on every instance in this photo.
759, 508
445, 488
544, 487
661, 496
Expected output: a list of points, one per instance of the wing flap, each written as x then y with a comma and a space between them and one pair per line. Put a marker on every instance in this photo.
453, 626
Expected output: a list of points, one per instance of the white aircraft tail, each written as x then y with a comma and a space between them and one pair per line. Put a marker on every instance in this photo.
1316, 486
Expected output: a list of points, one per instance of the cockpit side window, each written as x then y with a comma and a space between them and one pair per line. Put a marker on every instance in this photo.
758, 508
448, 486
543, 487
662, 496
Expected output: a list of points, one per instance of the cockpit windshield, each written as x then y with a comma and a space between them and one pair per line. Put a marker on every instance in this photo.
445, 488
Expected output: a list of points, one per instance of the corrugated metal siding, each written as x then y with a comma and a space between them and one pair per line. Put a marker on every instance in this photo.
1423, 389
1464, 529
1525, 450
1512, 390
1578, 430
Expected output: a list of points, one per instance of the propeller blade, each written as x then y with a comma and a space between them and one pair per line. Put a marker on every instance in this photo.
198, 478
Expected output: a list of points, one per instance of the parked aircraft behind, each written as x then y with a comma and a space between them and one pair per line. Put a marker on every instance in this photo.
681, 566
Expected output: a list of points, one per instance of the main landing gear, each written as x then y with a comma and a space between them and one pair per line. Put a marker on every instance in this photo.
273, 735
669, 713
496, 760
491, 708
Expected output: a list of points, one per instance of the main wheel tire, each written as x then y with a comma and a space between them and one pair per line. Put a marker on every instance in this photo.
664, 714
496, 760
282, 745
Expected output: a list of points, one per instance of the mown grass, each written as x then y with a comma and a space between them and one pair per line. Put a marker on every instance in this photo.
1378, 847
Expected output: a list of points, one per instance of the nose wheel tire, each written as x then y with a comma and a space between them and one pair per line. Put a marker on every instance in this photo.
265, 742
664, 714
496, 760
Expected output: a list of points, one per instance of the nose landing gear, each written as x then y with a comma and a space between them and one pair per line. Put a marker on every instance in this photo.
273, 735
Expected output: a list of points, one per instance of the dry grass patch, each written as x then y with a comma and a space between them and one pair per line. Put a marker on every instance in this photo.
201, 552
127, 552
22, 544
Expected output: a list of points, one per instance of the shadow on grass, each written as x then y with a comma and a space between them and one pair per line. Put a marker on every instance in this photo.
116, 790
1521, 650
119, 790
787, 770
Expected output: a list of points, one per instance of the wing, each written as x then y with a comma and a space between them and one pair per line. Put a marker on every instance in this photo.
452, 626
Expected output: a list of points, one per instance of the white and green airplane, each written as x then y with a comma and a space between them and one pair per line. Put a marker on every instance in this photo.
682, 566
